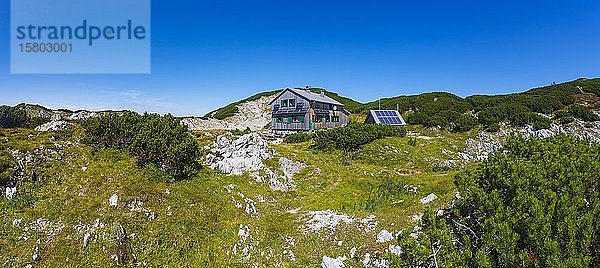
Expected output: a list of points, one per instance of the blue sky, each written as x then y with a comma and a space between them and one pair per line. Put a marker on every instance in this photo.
206, 54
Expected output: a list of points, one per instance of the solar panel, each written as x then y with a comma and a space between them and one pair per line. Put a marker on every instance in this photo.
389, 117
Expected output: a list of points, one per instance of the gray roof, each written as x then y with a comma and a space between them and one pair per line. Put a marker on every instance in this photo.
312, 96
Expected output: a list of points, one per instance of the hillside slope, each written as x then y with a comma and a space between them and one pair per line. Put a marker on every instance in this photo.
432, 109
253, 112
70, 204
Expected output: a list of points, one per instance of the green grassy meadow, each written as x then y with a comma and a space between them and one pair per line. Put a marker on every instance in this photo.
64, 197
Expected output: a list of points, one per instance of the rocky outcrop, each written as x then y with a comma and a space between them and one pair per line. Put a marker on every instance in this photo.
24, 165
480, 147
255, 114
429, 198
34, 110
384, 236
333, 263
238, 156
54, 126
290, 167
329, 220
246, 154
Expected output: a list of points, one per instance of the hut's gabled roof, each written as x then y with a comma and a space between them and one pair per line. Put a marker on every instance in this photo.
310, 96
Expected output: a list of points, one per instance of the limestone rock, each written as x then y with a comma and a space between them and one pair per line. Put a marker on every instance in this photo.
428, 198
113, 201
10, 192
54, 126
333, 263
255, 114
384, 236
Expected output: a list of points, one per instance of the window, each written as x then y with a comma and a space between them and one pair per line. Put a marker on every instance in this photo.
317, 118
317, 106
290, 119
279, 119
284, 103
295, 119
335, 118
301, 118
327, 118
292, 103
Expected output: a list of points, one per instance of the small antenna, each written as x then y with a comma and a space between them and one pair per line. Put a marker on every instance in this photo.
397, 107
379, 100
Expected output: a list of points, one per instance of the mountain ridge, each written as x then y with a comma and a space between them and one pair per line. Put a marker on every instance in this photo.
589, 85
431, 109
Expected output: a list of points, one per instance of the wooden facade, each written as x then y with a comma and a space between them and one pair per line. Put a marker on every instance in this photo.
302, 110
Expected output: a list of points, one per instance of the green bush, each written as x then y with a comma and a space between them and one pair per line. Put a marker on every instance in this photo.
238, 132
111, 130
33, 122
541, 123
532, 204
464, 122
354, 135
536, 204
493, 128
561, 114
412, 142
583, 113
11, 117
520, 108
165, 143
566, 120
297, 138
160, 141
6, 166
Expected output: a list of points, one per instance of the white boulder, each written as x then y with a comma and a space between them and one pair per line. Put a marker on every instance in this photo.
428, 198
113, 201
333, 263
11, 192
384, 236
